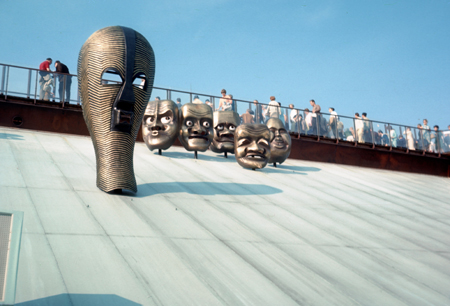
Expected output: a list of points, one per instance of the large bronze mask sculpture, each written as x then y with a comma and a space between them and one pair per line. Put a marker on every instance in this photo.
225, 124
160, 125
113, 110
280, 141
252, 145
196, 131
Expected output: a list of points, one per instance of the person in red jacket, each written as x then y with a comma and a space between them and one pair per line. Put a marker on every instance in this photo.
45, 76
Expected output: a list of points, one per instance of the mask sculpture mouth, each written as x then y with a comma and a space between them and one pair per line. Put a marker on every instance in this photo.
199, 137
226, 138
279, 144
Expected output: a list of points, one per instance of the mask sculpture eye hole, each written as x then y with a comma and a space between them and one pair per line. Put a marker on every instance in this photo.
167, 119
111, 76
139, 80
189, 123
206, 124
232, 127
263, 142
220, 127
244, 142
150, 120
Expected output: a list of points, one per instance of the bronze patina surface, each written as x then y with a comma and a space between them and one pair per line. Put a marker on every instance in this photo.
113, 110
280, 141
252, 145
196, 131
160, 125
225, 124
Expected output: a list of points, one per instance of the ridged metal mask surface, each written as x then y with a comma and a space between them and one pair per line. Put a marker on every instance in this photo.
252, 145
280, 141
113, 111
196, 126
225, 124
160, 125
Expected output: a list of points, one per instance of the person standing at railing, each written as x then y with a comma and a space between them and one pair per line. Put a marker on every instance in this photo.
308, 122
45, 76
293, 117
65, 81
437, 141
258, 112
359, 126
426, 133
247, 117
393, 136
446, 134
367, 128
197, 100
410, 139
283, 117
333, 122
315, 117
273, 109
222, 100
179, 103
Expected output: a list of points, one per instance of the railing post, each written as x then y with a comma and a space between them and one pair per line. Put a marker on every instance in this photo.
371, 133
438, 142
63, 98
2, 85
36, 85
7, 83
168, 94
29, 83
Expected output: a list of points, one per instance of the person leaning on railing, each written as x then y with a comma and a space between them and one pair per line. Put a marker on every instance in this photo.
65, 81
44, 76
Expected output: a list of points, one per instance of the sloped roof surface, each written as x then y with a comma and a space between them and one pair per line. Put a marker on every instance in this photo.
208, 232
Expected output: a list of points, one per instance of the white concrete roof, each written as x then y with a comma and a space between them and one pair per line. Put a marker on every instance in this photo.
208, 232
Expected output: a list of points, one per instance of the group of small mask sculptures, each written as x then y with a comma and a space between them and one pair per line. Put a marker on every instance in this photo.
113, 112
198, 128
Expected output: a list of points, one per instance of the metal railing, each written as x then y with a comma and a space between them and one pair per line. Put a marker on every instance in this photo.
36, 85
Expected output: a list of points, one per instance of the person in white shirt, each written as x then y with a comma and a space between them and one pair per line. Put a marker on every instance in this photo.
293, 117
273, 110
197, 100
333, 122
359, 125
308, 121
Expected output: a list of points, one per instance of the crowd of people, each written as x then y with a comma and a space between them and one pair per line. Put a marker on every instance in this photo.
306, 122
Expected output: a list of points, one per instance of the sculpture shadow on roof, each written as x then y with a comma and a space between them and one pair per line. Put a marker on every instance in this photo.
11, 136
286, 169
80, 299
206, 188
187, 155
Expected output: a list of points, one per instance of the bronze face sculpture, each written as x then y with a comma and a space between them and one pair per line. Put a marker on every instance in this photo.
113, 110
225, 124
160, 125
280, 141
196, 130
252, 145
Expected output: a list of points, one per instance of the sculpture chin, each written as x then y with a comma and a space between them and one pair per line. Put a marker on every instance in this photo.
198, 143
253, 160
223, 144
160, 141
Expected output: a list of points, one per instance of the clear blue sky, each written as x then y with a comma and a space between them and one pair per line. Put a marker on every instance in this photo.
389, 58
